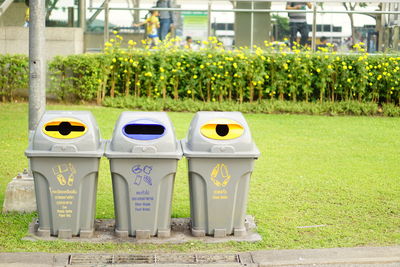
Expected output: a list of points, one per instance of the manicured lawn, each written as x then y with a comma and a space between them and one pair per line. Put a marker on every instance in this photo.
340, 172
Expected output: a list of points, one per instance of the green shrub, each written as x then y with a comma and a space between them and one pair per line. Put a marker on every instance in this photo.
14, 73
215, 75
261, 106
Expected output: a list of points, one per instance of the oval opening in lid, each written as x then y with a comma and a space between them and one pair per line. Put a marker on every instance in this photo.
64, 128
143, 130
222, 129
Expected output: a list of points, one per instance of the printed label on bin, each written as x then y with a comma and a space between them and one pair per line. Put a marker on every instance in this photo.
143, 130
222, 129
64, 128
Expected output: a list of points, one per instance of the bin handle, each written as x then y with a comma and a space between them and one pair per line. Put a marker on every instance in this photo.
222, 149
144, 149
64, 148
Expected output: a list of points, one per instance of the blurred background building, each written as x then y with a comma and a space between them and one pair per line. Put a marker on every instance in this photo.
77, 26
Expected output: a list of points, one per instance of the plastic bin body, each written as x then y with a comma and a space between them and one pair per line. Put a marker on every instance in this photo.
219, 172
143, 166
65, 170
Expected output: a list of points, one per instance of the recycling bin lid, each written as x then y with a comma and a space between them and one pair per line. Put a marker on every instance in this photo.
143, 135
219, 134
66, 134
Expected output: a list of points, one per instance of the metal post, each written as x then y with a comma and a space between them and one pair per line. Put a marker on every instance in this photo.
82, 14
106, 19
314, 27
396, 38
252, 26
37, 63
209, 19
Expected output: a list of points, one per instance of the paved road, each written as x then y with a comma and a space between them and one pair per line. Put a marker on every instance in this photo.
333, 257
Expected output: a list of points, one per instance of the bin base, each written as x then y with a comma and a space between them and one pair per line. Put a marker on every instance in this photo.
86, 233
164, 233
121, 233
64, 234
105, 231
142, 234
218, 233
198, 233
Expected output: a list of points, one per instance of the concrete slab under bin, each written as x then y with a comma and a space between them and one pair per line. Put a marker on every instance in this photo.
180, 233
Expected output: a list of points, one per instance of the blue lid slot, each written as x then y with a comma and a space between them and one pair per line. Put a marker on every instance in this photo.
143, 130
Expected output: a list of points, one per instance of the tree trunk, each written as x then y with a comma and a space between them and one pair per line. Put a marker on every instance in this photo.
176, 96
164, 92
251, 87
127, 83
136, 86
349, 6
112, 90
353, 30
208, 92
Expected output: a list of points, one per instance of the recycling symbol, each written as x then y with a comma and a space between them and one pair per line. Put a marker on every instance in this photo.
220, 175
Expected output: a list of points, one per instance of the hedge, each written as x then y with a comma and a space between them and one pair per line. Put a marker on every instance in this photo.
14, 71
214, 74
353, 108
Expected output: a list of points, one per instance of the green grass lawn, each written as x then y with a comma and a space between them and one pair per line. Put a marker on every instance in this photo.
341, 172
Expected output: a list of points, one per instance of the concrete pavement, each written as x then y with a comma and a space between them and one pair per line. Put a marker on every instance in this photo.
332, 257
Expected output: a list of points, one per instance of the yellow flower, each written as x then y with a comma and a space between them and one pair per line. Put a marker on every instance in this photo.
189, 92
125, 71
115, 32
162, 78
195, 77
112, 40
107, 44
210, 56
350, 67
201, 66
329, 66
345, 67
318, 70
348, 80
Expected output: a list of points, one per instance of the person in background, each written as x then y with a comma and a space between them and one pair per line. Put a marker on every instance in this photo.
153, 24
189, 42
298, 21
26, 24
324, 42
166, 18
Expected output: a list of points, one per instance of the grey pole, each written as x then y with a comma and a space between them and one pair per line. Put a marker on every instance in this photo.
252, 26
106, 18
314, 27
209, 19
82, 14
37, 63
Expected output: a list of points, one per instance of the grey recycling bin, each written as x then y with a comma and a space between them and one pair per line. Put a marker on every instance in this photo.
221, 154
143, 154
64, 153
